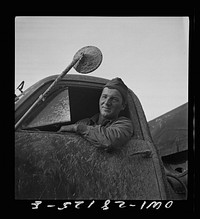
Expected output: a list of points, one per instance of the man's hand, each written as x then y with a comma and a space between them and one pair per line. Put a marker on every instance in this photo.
68, 128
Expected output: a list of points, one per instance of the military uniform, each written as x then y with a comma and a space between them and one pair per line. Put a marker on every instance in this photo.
101, 131
108, 134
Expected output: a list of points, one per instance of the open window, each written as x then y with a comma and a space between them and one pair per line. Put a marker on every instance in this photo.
65, 106
84, 103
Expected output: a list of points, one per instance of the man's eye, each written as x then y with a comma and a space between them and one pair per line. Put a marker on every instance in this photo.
115, 99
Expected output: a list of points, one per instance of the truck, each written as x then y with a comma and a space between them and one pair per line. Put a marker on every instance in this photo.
63, 165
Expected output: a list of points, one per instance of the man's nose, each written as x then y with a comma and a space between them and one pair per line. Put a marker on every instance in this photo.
108, 102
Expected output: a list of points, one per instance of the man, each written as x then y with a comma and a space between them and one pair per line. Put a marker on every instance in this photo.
107, 129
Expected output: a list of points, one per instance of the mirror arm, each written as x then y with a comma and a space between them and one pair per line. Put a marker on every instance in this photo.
45, 94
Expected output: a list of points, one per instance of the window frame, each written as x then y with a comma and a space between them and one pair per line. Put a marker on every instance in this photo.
42, 107
33, 93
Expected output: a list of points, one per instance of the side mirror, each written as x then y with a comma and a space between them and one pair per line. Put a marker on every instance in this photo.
92, 58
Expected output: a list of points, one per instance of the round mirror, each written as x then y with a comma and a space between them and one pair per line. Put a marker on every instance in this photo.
92, 58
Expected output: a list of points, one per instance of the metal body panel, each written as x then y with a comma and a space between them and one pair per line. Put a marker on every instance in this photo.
170, 131
65, 166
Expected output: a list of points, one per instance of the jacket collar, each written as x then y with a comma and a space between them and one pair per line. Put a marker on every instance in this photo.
94, 120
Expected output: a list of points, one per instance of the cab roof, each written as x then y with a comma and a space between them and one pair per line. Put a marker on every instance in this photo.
94, 81
74, 77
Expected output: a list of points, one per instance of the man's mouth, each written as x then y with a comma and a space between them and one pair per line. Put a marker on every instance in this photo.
106, 109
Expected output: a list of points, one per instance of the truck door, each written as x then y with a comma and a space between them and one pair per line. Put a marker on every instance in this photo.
52, 165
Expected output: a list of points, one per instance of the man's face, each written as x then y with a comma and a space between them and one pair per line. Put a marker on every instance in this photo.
110, 103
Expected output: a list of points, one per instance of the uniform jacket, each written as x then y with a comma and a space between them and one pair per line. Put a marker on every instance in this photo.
111, 133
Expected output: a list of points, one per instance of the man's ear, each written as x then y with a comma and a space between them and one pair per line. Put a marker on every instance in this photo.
123, 106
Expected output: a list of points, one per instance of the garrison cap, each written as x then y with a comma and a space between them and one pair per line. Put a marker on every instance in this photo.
117, 83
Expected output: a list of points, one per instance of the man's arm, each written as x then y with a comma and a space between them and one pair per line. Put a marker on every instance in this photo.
117, 134
73, 127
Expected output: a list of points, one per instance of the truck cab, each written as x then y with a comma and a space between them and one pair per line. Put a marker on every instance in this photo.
55, 165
